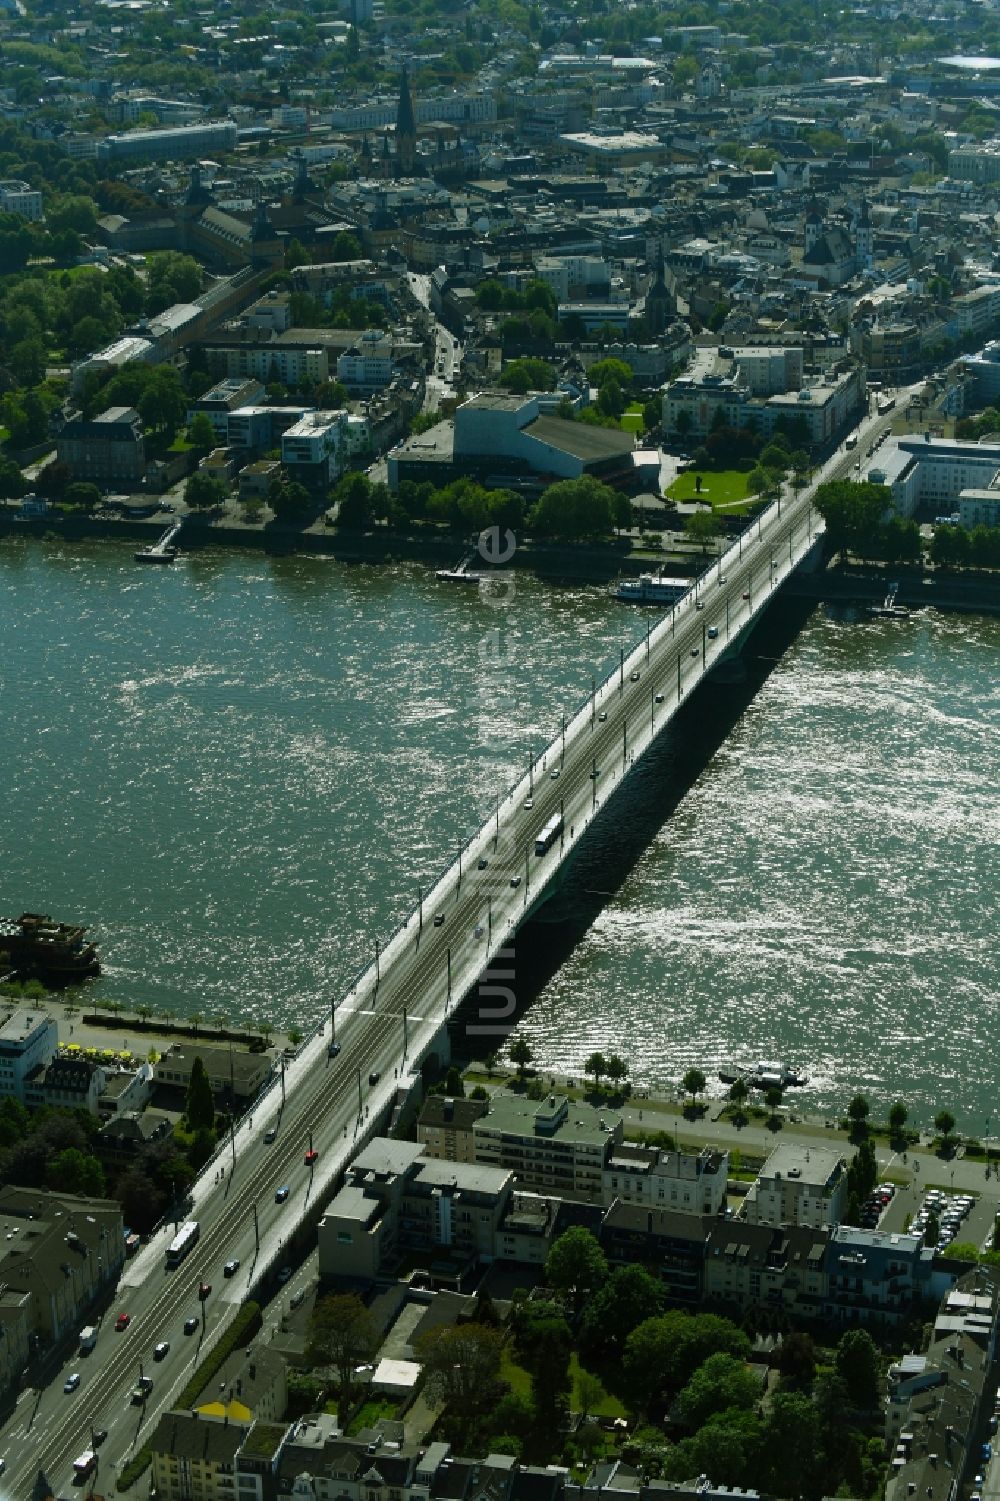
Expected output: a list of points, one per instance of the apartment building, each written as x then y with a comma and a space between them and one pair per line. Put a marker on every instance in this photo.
555, 1145
689, 1182
395, 1198
368, 365
66, 1083
223, 398
762, 1265
63, 1250
311, 448
28, 1041
15, 1336
798, 1186
444, 1127
108, 448
874, 1276
18, 197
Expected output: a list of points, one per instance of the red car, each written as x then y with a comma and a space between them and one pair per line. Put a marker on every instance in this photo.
311, 1156
204, 1288
122, 1321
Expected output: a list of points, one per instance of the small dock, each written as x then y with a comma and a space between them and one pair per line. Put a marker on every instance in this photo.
888, 609
461, 574
162, 551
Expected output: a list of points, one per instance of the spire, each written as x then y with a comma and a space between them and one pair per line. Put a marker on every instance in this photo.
406, 128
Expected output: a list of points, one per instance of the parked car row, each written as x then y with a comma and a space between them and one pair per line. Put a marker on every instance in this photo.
949, 1210
876, 1204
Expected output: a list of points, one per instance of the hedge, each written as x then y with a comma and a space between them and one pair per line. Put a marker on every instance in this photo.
246, 1324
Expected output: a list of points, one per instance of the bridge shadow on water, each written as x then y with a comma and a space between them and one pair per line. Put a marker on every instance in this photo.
622, 832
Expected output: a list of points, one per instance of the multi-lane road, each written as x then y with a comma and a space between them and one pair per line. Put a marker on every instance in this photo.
431, 962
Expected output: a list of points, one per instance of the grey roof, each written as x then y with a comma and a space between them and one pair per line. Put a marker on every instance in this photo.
579, 439
186, 1436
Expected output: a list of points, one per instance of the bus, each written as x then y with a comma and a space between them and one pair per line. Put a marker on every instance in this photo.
548, 836
182, 1243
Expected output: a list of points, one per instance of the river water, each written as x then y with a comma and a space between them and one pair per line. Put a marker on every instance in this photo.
240, 769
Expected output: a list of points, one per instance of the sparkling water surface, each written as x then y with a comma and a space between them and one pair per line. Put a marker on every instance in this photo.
240, 769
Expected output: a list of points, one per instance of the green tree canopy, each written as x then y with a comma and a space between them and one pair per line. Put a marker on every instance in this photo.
200, 1107
576, 1265
343, 1334
720, 1383
662, 1353
575, 509
628, 1297
857, 1366
204, 491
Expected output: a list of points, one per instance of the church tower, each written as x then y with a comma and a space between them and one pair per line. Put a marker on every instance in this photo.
658, 308
814, 226
865, 238
406, 130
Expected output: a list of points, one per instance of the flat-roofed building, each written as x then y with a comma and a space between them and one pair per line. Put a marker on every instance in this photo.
798, 1186
18, 197
232, 1073
395, 1198
28, 1040
931, 474
178, 143
555, 1145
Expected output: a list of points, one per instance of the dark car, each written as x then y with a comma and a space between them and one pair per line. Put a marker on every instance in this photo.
374, 1076
231, 1267
483, 862
190, 1325
100, 1434
439, 919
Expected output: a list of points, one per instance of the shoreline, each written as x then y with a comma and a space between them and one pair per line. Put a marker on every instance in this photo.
844, 584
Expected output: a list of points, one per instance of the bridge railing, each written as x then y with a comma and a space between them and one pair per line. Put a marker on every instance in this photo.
478, 841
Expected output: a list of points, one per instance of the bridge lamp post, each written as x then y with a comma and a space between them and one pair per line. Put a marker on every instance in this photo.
496, 836
562, 822
531, 774
460, 867
333, 1018
256, 1231
527, 873
405, 1038
361, 1105
621, 669
727, 617
489, 919
652, 712
420, 910
563, 756
449, 972
772, 567
678, 678
282, 1081
624, 741
647, 639
593, 697
378, 975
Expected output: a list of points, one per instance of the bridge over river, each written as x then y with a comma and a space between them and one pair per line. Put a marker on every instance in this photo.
360, 1064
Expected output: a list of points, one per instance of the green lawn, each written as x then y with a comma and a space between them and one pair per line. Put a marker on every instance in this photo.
725, 488
632, 422
369, 1413
606, 1406
515, 1375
